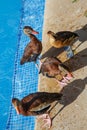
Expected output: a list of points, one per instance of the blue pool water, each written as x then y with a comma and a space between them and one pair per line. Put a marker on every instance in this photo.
25, 78
9, 24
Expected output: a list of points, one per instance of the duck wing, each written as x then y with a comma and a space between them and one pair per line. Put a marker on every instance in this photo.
34, 101
39, 100
27, 54
36, 44
29, 97
64, 35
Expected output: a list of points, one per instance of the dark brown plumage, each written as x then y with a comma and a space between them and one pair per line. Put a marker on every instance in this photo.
33, 48
52, 67
36, 103
61, 39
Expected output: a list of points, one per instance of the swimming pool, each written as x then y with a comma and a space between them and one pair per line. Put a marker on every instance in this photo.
25, 78
9, 23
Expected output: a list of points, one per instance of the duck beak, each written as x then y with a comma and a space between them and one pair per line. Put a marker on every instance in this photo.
34, 32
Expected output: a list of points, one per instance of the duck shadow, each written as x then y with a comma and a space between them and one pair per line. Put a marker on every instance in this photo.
56, 51
78, 61
52, 52
71, 93
82, 33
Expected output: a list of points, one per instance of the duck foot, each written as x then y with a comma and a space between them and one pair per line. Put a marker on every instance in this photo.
61, 83
65, 79
69, 76
47, 120
38, 65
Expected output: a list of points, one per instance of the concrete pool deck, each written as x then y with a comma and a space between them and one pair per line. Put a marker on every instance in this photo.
67, 15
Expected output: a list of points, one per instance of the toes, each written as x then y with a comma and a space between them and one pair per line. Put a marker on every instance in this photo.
70, 75
65, 79
63, 83
47, 122
42, 116
68, 78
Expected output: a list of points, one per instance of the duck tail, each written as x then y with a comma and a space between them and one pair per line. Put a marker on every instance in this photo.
40, 71
54, 96
34, 57
57, 96
22, 61
76, 35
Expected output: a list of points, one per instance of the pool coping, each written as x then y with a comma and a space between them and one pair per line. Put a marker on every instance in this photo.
57, 18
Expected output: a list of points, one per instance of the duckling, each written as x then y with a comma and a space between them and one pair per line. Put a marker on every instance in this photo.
33, 48
36, 104
52, 67
61, 39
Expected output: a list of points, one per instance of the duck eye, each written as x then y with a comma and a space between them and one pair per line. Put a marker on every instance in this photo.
29, 31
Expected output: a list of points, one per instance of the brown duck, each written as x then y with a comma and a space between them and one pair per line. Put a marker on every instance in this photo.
61, 39
52, 67
36, 104
33, 48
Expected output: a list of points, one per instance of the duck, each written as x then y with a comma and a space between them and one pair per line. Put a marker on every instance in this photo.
36, 104
51, 67
33, 48
62, 38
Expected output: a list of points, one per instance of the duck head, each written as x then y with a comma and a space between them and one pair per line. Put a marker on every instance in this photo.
50, 33
16, 103
52, 36
28, 30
